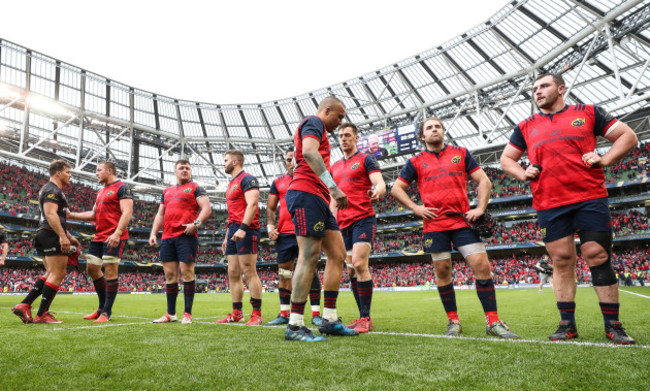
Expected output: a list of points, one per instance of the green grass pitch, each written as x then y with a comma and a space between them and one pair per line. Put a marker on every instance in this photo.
405, 351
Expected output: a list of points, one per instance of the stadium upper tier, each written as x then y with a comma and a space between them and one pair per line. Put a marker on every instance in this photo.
479, 82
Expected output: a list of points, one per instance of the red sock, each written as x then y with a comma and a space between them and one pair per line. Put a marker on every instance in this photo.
491, 317
453, 315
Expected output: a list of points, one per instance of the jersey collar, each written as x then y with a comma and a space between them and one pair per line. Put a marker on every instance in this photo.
240, 172
355, 154
550, 115
436, 153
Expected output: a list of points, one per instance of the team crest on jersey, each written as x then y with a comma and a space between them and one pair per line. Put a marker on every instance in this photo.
428, 243
578, 122
355, 166
319, 226
110, 193
51, 196
456, 159
187, 190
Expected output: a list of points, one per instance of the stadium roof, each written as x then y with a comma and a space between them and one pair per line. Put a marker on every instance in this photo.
479, 82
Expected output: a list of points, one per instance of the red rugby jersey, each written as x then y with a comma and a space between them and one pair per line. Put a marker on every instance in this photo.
180, 208
279, 188
304, 179
353, 177
557, 142
442, 183
107, 212
236, 200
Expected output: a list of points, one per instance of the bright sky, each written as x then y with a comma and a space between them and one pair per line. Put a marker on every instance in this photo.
236, 51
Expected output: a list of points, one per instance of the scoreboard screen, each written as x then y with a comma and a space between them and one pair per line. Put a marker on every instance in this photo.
390, 142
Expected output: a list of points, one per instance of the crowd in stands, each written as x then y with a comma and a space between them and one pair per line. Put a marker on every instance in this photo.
20, 186
515, 269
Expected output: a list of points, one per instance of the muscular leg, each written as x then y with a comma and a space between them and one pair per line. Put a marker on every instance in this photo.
443, 271
595, 255
308, 255
247, 263
56, 267
563, 253
234, 276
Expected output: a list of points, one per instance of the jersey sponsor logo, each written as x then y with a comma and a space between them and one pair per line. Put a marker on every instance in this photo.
578, 122
318, 227
51, 196
456, 159
355, 166
428, 243
110, 193
187, 190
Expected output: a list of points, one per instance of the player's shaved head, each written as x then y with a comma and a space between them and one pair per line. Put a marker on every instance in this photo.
329, 102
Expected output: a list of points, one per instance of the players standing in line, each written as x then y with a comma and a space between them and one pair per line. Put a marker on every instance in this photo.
441, 173
570, 196
308, 199
545, 271
53, 242
358, 175
242, 238
286, 245
111, 213
183, 209
5, 247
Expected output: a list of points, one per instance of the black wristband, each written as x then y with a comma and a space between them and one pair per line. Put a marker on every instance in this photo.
243, 226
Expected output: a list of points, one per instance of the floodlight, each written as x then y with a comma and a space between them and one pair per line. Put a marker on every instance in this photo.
48, 106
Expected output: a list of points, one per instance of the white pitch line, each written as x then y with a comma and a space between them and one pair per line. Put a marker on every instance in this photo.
97, 326
543, 342
398, 334
633, 293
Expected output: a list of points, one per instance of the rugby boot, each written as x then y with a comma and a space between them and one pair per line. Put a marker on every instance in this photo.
256, 319
336, 328
614, 330
187, 318
362, 325
166, 319
500, 329
278, 321
566, 330
302, 334
317, 320
46, 318
233, 317
94, 315
453, 328
24, 312
103, 318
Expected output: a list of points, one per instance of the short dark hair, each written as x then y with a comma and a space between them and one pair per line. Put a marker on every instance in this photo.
58, 165
355, 130
110, 166
182, 161
420, 131
235, 152
557, 78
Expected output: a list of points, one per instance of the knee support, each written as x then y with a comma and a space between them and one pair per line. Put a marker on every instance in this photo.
285, 273
471, 249
604, 274
439, 256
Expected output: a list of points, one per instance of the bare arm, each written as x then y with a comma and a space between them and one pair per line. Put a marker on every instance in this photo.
315, 161
49, 210
252, 197
484, 186
5, 251
126, 207
623, 141
399, 193
271, 210
84, 216
204, 214
379, 185
510, 164
157, 223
